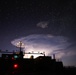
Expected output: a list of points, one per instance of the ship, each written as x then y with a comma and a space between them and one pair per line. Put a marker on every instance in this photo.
13, 63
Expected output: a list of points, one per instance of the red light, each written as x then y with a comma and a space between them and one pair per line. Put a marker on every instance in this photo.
12, 58
15, 65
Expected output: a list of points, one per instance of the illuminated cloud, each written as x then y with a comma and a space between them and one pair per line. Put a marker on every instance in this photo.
44, 43
43, 24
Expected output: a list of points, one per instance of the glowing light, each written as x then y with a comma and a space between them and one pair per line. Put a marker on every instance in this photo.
15, 56
29, 55
15, 66
20, 44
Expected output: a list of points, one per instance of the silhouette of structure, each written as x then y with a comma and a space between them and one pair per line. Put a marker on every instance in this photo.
14, 63
39, 64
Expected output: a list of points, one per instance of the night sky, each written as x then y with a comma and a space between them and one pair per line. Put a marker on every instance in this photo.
42, 25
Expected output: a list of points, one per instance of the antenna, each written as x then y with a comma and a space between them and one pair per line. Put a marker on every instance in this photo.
20, 45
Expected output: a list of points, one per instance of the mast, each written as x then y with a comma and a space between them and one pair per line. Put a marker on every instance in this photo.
20, 46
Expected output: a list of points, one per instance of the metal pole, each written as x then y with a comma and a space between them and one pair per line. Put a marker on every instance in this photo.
20, 45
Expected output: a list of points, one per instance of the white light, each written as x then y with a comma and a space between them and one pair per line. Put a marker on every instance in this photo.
20, 43
29, 55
